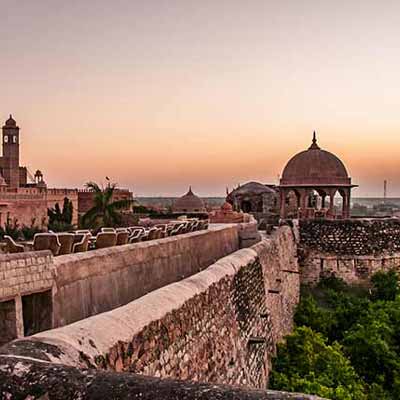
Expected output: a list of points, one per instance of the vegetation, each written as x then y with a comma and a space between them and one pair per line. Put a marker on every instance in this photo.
61, 220
17, 232
106, 211
346, 343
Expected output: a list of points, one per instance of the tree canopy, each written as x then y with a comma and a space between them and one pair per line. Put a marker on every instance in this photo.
346, 344
105, 211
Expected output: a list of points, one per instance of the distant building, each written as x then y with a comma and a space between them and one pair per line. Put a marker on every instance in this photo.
254, 197
189, 204
25, 198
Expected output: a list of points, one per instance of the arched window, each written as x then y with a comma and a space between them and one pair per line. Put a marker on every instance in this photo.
5, 139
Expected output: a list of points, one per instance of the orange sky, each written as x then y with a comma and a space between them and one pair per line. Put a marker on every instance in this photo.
162, 94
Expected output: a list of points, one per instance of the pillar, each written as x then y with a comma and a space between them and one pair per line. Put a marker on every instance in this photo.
282, 195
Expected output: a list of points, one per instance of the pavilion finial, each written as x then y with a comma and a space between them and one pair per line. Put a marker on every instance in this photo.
314, 145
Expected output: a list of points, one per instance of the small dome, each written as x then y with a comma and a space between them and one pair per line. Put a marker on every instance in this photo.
227, 207
315, 167
251, 188
189, 203
11, 122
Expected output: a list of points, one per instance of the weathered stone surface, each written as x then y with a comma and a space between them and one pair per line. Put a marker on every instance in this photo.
33, 380
351, 237
351, 249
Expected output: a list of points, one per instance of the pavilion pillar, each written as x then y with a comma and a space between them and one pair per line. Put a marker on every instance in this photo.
332, 202
303, 202
323, 200
346, 204
282, 194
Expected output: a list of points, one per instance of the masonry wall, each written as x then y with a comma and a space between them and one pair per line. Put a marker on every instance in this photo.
89, 283
21, 274
97, 281
220, 325
351, 249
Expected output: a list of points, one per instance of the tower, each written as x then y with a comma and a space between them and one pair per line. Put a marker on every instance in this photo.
11, 153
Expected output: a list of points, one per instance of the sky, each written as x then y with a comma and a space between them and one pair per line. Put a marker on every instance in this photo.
160, 95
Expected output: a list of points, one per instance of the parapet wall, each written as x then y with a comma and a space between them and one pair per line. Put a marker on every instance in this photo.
220, 325
69, 288
94, 282
350, 249
352, 237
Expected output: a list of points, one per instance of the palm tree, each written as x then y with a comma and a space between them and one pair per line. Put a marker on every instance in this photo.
105, 211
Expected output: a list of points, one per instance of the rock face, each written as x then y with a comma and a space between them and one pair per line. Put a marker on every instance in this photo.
350, 249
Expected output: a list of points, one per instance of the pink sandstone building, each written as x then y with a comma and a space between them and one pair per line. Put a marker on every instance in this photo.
26, 201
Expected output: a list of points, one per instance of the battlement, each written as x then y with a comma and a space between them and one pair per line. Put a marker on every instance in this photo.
351, 237
351, 249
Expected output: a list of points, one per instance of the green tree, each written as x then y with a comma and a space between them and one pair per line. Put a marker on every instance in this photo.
61, 220
307, 364
385, 285
309, 313
105, 211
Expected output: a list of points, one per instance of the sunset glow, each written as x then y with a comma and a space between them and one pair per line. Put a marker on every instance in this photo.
162, 94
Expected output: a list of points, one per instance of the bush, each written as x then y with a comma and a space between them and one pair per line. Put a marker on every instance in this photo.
385, 286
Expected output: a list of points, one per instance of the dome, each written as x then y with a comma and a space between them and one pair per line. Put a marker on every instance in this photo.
315, 167
11, 122
189, 203
252, 188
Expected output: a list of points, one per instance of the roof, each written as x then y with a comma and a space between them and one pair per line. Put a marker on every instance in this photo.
251, 188
315, 166
189, 203
10, 123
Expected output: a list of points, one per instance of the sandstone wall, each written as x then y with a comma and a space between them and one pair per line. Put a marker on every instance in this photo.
97, 281
82, 285
219, 325
352, 237
21, 274
351, 249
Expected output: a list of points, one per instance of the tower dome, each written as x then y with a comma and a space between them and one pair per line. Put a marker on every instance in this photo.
11, 123
315, 166
189, 203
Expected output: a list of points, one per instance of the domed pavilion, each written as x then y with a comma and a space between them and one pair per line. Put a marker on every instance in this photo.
189, 203
315, 176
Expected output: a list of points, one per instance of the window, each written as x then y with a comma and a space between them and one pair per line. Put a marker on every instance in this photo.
14, 139
5, 139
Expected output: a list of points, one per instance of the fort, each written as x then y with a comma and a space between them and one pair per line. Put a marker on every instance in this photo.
25, 197
198, 315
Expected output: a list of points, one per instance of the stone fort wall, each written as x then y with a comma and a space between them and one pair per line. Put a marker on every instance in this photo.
350, 249
69, 288
90, 283
217, 326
